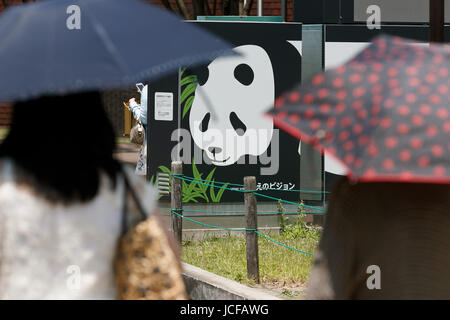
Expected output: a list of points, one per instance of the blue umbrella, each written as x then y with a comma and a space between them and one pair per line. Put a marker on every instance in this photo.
53, 47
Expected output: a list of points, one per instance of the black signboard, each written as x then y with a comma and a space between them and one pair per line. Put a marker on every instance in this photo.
223, 134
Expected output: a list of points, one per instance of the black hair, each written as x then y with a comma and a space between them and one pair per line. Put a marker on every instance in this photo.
60, 145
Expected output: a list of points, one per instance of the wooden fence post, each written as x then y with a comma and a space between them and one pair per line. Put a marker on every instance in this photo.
251, 238
176, 222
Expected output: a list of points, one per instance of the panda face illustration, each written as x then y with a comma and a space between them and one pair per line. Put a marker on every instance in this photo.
227, 116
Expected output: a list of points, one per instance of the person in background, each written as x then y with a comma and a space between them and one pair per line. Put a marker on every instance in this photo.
140, 113
62, 200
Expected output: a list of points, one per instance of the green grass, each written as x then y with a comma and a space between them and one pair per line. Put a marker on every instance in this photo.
3, 132
279, 266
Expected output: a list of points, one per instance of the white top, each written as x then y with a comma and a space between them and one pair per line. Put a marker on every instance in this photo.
50, 251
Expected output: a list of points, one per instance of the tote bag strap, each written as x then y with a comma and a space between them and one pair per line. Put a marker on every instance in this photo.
128, 189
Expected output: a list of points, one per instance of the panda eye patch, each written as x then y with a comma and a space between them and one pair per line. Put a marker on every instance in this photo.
205, 122
202, 74
244, 74
237, 124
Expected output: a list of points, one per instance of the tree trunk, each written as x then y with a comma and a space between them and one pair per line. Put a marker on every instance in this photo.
248, 7
182, 7
241, 7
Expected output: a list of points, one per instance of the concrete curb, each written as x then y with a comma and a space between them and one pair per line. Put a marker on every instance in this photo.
204, 285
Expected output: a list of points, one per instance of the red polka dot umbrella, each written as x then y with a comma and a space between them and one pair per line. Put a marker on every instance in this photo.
385, 114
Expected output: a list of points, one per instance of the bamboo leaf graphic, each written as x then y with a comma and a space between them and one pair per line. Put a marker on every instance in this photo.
201, 187
190, 88
212, 194
188, 79
208, 183
185, 187
192, 196
187, 105
220, 193
209, 177
191, 187
197, 174
164, 169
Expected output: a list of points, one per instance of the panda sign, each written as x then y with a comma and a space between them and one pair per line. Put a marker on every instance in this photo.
222, 131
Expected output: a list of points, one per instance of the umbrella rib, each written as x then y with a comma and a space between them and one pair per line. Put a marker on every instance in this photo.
23, 17
102, 34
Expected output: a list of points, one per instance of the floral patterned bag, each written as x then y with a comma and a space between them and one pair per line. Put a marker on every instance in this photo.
145, 265
137, 134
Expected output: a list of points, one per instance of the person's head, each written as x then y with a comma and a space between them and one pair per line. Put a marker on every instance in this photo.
60, 145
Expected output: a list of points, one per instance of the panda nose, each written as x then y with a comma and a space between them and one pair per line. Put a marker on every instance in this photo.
215, 150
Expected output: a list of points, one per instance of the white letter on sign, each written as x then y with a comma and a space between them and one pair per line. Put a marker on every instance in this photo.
374, 20
74, 20
374, 281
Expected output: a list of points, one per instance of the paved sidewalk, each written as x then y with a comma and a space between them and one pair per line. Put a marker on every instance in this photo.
127, 153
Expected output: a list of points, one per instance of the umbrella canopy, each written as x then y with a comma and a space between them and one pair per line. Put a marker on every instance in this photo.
52, 47
385, 114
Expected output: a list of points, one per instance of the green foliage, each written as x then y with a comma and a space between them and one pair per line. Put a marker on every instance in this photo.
282, 219
188, 84
239, 277
226, 256
288, 293
300, 229
3, 133
195, 191
188, 105
216, 197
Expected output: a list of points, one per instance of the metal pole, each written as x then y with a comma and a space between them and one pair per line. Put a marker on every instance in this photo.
283, 10
260, 8
251, 238
176, 222
437, 21
311, 161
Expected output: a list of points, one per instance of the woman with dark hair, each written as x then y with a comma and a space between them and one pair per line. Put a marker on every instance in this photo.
61, 200
139, 112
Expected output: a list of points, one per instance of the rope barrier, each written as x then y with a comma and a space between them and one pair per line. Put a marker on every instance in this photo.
283, 245
201, 180
239, 229
265, 212
241, 185
213, 184
210, 226
289, 202
185, 178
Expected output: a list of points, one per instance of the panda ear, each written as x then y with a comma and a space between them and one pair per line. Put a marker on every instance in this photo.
202, 73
